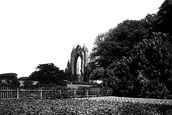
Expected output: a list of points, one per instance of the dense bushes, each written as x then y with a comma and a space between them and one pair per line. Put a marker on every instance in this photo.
78, 107
56, 92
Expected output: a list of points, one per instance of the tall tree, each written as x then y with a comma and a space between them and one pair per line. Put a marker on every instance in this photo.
88, 70
148, 69
117, 42
125, 59
164, 22
48, 73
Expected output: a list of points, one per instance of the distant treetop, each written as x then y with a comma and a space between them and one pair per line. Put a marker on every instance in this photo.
8, 76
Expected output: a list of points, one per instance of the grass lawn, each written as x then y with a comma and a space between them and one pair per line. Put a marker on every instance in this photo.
86, 106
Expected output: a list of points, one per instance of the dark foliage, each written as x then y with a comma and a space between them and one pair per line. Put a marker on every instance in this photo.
135, 57
79, 107
164, 22
146, 72
8, 76
117, 42
68, 72
10, 79
48, 73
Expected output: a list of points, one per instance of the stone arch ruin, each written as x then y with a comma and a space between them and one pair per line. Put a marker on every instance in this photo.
78, 52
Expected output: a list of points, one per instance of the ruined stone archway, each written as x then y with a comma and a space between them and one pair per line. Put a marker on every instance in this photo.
77, 52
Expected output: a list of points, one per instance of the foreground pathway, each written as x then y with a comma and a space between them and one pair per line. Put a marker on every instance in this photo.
133, 100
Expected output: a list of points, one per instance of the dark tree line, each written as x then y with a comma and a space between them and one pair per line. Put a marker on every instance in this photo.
134, 58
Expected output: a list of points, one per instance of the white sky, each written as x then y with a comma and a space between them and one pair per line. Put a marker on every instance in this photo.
35, 32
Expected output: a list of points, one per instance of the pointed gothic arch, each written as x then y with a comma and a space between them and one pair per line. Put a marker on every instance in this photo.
77, 52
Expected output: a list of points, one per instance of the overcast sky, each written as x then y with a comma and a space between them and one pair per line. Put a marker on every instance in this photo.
35, 32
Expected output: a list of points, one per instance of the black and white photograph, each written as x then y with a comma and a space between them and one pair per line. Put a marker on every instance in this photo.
85, 57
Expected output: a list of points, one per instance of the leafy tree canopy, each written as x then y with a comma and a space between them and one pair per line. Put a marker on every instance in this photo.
11, 79
135, 57
118, 41
148, 69
164, 22
48, 73
9, 76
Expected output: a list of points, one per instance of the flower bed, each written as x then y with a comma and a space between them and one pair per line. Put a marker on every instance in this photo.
77, 107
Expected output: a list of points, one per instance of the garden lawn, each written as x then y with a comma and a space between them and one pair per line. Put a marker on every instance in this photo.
83, 106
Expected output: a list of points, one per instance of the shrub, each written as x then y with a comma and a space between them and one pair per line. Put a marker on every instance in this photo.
169, 96
78, 107
84, 83
56, 92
